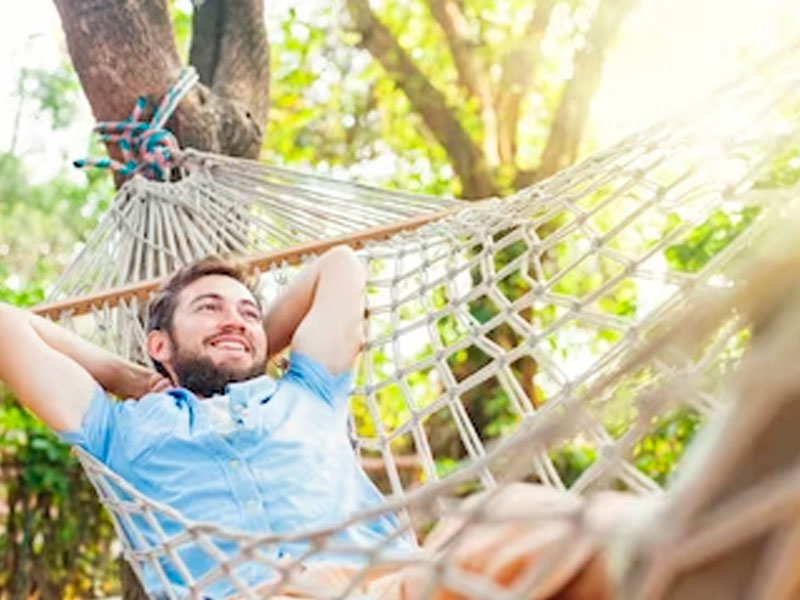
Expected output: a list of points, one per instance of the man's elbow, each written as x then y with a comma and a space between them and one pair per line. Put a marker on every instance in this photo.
10, 314
345, 262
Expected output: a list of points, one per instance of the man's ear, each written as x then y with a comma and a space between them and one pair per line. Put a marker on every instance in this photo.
159, 346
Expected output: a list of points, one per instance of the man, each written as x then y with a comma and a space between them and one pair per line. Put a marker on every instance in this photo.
221, 442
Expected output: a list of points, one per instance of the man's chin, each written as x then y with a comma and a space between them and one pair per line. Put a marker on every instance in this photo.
232, 363
206, 377
236, 373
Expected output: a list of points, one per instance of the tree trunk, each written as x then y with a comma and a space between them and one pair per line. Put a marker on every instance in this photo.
126, 49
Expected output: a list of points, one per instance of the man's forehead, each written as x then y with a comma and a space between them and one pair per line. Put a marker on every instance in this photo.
221, 286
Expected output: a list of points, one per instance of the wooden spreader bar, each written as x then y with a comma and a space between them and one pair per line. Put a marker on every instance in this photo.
294, 255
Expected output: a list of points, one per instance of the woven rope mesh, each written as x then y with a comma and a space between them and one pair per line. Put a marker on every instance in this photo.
554, 336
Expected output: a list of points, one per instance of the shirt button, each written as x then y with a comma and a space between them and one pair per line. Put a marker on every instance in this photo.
234, 464
251, 504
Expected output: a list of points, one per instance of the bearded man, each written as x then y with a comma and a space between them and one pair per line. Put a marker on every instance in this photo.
215, 438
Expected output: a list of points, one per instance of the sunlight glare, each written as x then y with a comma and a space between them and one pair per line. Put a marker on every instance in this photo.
672, 53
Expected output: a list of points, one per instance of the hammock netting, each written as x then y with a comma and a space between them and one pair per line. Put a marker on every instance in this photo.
554, 336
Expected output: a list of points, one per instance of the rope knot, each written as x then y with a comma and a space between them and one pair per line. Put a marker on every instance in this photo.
147, 147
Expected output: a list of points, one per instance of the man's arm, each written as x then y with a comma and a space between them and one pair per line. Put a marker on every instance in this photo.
321, 312
53, 371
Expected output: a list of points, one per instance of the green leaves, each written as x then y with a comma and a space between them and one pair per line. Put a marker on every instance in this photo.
53, 93
333, 105
657, 454
54, 522
40, 226
708, 239
54, 526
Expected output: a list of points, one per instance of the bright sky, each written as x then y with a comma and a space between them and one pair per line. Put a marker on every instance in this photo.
669, 52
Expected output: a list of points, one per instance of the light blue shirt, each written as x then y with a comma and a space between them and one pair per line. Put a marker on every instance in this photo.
286, 466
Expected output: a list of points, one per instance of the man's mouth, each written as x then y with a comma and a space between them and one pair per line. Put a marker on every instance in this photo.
230, 344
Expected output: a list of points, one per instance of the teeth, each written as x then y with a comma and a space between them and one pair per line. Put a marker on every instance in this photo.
230, 346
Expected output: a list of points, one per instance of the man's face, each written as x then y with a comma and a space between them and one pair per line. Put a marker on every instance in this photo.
217, 336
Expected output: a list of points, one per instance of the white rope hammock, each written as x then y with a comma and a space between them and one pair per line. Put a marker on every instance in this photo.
527, 288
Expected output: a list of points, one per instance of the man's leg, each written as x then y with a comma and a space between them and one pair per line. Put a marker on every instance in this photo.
532, 531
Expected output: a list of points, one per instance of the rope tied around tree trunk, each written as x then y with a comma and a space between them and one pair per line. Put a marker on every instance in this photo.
147, 147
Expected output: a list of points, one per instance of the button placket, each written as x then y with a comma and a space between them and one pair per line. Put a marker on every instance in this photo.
238, 406
245, 489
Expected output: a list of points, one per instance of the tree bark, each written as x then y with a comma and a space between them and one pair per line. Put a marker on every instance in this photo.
569, 123
230, 46
467, 159
125, 49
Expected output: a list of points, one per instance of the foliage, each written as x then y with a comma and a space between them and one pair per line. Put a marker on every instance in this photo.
51, 92
53, 536
54, 539
332, 107
658, 453
709, 238
52, 510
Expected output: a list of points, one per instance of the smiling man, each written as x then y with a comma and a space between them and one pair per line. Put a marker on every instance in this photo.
215, 438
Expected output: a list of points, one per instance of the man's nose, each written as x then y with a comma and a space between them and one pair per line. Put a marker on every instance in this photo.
231, 318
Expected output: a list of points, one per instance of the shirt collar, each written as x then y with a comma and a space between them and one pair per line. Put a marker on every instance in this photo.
258, 388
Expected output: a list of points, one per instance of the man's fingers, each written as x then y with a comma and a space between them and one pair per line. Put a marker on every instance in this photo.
159, 383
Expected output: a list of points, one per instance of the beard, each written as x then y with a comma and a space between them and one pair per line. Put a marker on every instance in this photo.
201, 376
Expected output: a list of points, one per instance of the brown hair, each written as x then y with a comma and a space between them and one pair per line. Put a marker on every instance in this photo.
163, 305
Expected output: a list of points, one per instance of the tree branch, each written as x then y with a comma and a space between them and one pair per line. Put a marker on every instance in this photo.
126, 49
467, 159
230, 44
451, 19
470, 68
519, 69
207, 19
569, 123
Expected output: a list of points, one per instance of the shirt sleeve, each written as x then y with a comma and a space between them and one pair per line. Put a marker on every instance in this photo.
129, 426
311, 374
97, 427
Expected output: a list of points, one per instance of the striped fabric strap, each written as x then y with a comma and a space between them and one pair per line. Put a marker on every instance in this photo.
147, 147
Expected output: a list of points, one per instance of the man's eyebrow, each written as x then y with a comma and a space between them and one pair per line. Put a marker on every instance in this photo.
207, 296
250, 302
215, 296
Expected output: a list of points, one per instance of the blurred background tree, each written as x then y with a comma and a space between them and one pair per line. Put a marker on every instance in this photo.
473, 89
462, 97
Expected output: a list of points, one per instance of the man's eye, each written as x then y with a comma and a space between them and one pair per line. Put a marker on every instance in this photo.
252, 316
207, 307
